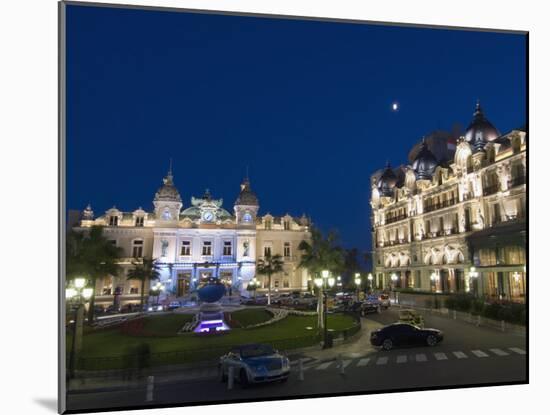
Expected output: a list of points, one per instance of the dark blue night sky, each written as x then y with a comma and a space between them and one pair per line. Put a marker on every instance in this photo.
306, 105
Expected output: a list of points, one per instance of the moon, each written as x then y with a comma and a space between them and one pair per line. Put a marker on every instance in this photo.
395, 106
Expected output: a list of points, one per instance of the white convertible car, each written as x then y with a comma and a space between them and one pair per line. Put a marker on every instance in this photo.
254, 363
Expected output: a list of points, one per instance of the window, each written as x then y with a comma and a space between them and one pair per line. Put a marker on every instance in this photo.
286, 225
286, 284
487, 256
513, 255
207, 248
106, 291
139, 221
267, 251
134, 290
227, 248
113, 221
137, 249
496, 213
185, 248
276, 284
112, 242
268, 224
287, 249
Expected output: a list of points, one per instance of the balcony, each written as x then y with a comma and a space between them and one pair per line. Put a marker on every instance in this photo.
491, 190
393, 219
441, 205
517, 181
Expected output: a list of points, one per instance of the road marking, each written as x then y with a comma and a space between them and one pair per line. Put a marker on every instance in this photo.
440, 356
324, 366
479, 353
421, 357
460, 355
382, 360
517, 350
401, 359
363, 362
499, 352
345, 363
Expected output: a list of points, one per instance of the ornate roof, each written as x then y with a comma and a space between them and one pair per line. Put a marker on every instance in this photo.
387, 181
480, 131
246, 196
425, 163
168, 191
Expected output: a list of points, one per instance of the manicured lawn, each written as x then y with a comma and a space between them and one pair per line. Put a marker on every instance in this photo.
165, 324
250, 316
286, 334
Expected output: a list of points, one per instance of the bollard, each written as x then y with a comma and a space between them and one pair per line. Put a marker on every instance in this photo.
478, 320
300, 369
454, 314
150, 388
502, 325
230, 377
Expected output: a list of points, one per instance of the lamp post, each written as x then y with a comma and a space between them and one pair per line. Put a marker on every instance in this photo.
357, 283
472, 275
394, 279
158, 288
77, 294
326, 281
369, 277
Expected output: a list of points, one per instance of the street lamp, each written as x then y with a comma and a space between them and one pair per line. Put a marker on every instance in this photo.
357, 283
394, 280
370, 280
158, 288
322, 284
473, 274
77, 294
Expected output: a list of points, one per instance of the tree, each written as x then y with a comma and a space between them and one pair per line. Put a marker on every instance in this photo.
92, 256
143, 271
351, 266
269, 265
318, 254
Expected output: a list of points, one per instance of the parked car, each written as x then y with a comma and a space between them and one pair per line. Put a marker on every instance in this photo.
384, 300
112, 309
403, 334
254, 363
368, 307
173, 305
129, 308
305, 299
153, 307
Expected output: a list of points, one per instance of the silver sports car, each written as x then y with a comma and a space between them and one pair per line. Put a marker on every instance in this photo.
254, 363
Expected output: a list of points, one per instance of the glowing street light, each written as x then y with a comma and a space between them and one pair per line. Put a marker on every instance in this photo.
78, 294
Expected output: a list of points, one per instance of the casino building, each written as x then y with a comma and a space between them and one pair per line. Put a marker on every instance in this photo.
193, 243
454, 218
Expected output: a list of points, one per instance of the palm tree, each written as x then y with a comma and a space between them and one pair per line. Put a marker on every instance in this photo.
144, 270
92, 256
269, 265
318, 254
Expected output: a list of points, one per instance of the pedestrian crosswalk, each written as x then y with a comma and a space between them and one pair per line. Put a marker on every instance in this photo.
421, 357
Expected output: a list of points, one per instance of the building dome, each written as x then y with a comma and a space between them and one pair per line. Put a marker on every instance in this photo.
246, 197
387, 181
480, 131
168, 192
424, 163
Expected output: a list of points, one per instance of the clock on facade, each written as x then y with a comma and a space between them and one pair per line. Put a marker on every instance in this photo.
247, 217
208, 216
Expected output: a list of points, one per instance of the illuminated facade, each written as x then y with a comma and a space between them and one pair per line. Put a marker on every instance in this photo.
448, 212
197, 242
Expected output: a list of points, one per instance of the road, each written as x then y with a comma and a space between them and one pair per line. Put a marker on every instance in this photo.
469, 355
